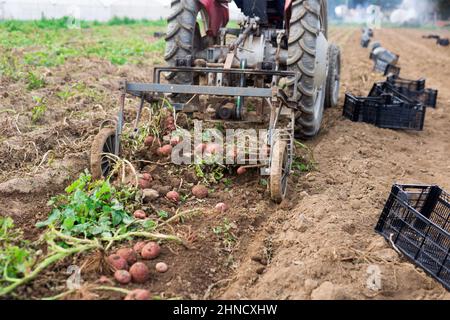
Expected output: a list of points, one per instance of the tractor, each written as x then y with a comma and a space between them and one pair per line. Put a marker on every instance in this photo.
274, 68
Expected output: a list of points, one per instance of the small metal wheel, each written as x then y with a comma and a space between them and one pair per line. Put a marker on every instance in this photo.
104, 142
279, 171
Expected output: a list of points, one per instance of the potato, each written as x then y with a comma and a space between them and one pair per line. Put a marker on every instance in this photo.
173, 196
149, 140
138, 294
138, 246
161, 267
117, 262
221, 207
164, 151
144, 184
128, 254
241, 170
147, 176
122, 276
200, 191
151, 251
139, 214
139, 272
149, 195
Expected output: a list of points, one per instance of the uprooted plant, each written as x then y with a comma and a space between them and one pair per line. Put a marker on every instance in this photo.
21, 261
92, 215
92, 208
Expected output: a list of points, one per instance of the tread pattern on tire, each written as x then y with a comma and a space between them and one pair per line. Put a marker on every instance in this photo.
304, 29
180, 35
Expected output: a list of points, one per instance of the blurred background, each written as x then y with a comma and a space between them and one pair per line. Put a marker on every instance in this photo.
397, 12
400, 12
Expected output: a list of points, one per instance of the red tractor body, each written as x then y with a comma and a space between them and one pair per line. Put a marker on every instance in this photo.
219, 15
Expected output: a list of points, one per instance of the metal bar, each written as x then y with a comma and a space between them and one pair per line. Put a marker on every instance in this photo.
157, 71
138, 116
207, 90
221, 70
120, 119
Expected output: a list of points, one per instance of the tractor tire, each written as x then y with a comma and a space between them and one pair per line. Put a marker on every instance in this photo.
308, 18
182, 37
333, 77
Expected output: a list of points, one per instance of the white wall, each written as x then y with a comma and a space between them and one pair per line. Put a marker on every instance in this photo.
101, 10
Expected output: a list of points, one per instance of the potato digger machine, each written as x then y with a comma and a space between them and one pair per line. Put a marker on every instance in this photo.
276, 69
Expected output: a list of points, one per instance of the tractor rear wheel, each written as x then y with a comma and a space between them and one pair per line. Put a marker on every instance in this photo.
308, 21
184, 36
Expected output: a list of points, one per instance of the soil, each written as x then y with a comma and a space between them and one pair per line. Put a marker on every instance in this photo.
318, 244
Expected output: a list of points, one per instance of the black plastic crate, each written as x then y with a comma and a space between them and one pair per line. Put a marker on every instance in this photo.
415, 89
385, 88
392, 70
385, 111
427, 97
365, 41
412, 85
416, 220
385, 63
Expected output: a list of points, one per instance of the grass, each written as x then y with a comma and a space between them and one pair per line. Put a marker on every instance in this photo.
9, 66
35, 81
66, 23
225, 232
39, 109
50, 42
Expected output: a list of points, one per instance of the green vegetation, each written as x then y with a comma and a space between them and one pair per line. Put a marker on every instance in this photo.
303, 162
21, 261
225, 232
50, 42
9, 66
67, 23
15, 256
92, 215
209, 172
92, 208
34, 81
38, 110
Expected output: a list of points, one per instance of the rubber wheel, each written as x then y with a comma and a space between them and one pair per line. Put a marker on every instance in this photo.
279, 171
183, 37
104, 142
308, 18
333, 77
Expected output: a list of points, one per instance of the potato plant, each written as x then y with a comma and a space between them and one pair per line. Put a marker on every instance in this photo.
21, 261
16, 256
91, 209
